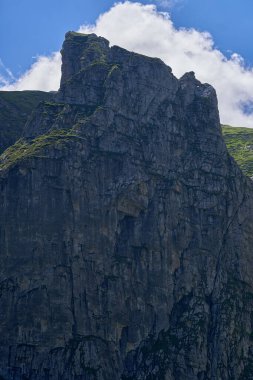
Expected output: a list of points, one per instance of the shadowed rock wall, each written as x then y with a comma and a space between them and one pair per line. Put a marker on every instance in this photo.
125, 230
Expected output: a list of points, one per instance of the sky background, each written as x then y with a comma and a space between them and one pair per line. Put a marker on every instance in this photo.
31, 30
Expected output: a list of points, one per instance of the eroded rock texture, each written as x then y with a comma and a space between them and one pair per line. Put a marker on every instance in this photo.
126, 230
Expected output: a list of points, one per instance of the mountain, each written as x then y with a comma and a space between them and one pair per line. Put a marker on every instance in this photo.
125, 231
15, 109
239, 142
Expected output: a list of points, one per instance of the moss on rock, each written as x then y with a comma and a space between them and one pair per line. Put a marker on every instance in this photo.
23, 149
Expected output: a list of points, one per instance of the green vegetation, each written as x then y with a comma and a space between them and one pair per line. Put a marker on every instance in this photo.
113, 67
76, 34
23, 149
25, 100
15, 108
239, 142
96, 51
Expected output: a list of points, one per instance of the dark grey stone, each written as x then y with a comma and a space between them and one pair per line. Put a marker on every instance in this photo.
125, 246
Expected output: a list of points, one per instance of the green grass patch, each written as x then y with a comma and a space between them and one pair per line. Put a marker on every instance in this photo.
15, 108
76, 34
25, 100
23, 149
113, 67
239, 142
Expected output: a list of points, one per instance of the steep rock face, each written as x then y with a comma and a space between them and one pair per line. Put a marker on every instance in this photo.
125, 231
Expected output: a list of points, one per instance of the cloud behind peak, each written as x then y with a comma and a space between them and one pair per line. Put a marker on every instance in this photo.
141, 28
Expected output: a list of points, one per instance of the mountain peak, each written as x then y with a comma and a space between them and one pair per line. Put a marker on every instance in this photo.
80, 50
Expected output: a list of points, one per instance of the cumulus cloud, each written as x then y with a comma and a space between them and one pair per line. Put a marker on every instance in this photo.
43, 75
141, 28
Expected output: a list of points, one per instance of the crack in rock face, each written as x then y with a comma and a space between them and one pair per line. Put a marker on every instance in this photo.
125, 229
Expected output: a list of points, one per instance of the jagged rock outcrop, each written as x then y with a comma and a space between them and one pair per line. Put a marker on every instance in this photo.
126, 230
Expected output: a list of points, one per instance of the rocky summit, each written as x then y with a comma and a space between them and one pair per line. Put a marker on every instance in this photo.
126, 244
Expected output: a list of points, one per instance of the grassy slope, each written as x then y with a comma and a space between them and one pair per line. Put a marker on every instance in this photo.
15, 108
24, 100
23, 149
240, 145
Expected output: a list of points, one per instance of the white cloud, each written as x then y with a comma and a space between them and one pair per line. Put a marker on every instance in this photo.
43, 75
165, 3
142, 29
5, 74
168, 4
3, 81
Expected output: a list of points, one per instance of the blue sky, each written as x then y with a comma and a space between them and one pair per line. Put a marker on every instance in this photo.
229, 22
210, 37
36, 27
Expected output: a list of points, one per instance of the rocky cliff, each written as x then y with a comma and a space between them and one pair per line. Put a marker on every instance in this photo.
125, 231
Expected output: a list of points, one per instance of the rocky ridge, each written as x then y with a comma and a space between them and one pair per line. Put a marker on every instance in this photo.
125, 230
